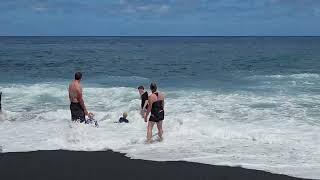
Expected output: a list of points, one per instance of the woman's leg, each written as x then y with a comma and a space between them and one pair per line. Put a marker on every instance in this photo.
149, 131
160, 131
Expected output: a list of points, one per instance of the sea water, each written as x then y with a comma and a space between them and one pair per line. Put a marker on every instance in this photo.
240, 101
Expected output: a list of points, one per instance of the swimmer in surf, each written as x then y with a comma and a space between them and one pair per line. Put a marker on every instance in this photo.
124, 119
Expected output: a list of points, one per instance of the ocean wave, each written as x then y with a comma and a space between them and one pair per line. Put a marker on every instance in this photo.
243, 128
120, 80
127, 78
290, 76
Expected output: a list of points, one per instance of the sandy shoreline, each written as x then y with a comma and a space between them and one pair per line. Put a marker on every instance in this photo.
76, 165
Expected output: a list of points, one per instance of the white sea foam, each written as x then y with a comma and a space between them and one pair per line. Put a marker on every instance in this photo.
277, 133
292, 76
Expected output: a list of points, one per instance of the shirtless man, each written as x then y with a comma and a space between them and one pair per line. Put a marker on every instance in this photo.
156, 108
77, 106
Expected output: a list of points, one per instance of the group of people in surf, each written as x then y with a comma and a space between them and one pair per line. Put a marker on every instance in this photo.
152, 106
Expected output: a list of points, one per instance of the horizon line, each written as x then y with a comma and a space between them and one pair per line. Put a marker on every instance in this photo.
159, 36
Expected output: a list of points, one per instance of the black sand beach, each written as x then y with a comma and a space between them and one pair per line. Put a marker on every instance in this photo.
60, 165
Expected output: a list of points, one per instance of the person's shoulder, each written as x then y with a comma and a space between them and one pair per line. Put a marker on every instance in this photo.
72, 86
152, 97
78, 86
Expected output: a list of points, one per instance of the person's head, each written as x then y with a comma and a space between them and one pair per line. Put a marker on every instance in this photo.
153, 87
124, 115
91, 115
78, 76
141, 89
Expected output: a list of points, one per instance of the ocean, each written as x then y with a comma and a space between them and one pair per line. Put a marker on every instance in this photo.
239, 101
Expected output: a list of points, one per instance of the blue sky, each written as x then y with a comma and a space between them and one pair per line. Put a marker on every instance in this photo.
160, 17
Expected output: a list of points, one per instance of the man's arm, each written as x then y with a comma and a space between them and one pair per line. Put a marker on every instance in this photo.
81, 101
149, 108
145, 104
69, 93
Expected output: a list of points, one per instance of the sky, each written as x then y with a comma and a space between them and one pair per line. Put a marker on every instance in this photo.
160, 17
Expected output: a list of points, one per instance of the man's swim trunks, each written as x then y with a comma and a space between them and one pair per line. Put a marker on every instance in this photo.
77, 112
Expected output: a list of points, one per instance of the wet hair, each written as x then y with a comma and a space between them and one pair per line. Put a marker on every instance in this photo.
153, 87
78, 76
141, 87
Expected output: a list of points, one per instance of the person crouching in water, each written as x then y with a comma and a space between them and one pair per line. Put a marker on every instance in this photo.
144, 100
156, 108
124, 119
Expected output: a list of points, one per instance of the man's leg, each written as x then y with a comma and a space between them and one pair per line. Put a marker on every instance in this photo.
73, 116
143, 112
82, 116
149, 131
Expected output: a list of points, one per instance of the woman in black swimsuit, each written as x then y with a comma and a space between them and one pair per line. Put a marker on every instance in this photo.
156, 108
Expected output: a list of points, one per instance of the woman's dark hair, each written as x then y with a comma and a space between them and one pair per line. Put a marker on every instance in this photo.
77, 75
153, 87
141, 87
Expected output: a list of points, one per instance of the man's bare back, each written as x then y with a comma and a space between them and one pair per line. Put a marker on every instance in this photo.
75, 90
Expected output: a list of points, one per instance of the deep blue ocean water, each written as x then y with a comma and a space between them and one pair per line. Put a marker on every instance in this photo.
211, 62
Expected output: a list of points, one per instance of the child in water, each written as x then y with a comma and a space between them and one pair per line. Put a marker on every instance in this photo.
91, 120
124, 118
